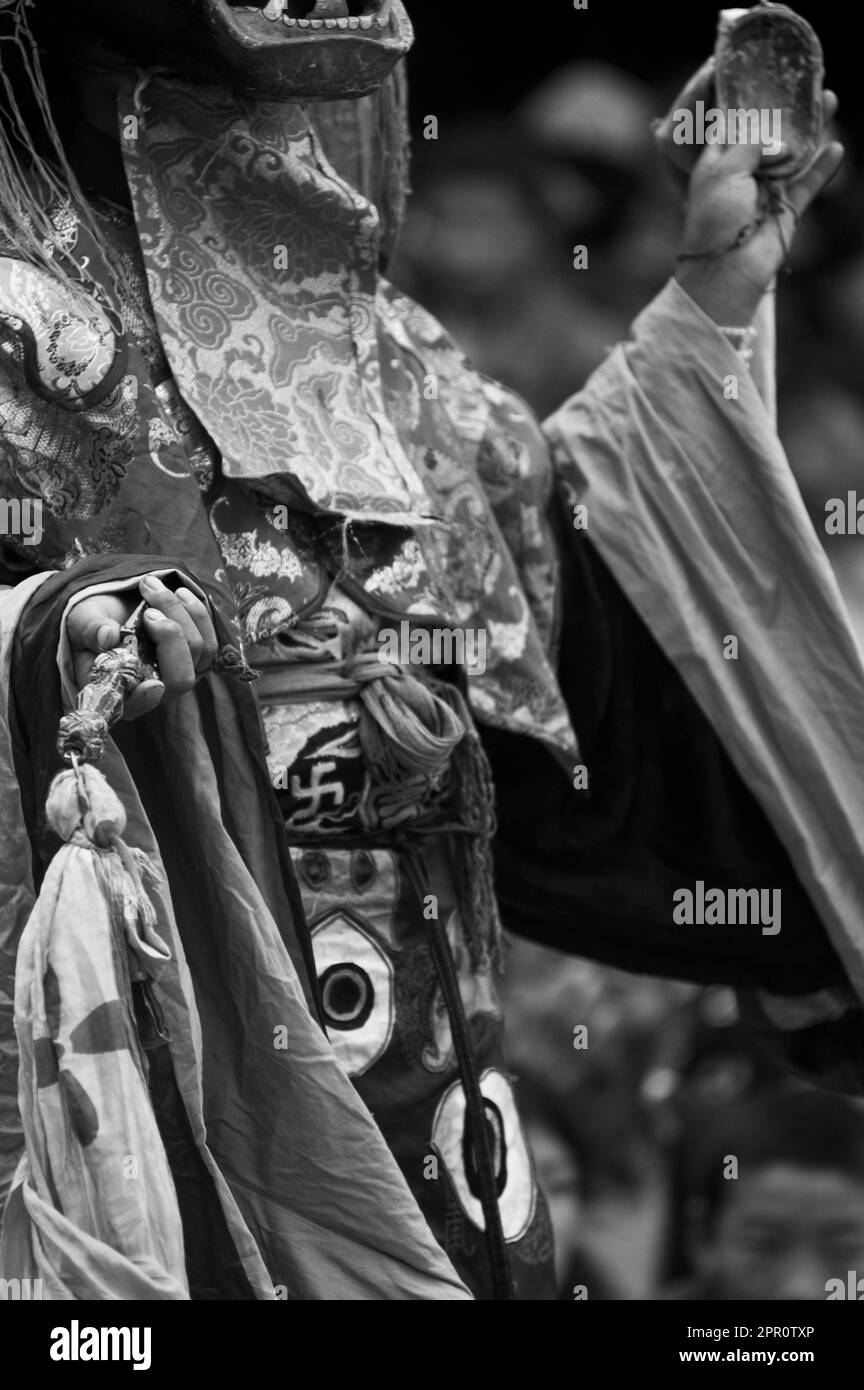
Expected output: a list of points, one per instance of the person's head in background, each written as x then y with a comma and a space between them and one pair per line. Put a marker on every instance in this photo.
782, 1200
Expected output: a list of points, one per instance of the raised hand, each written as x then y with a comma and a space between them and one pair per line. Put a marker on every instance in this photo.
738, 228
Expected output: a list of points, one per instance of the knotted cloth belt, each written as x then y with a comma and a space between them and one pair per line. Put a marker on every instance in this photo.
412, 731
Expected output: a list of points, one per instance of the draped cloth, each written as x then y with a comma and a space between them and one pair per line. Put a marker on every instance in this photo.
262, 264
313, 1201
93, 1190
694, 508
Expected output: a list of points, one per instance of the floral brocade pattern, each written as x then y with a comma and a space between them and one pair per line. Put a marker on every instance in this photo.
262, 273
319, 392
324, 387
72, 346
113, 458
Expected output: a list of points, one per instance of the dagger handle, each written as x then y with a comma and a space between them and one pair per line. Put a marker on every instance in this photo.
100, 704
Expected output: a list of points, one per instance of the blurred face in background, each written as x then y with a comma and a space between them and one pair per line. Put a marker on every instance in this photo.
783, 1231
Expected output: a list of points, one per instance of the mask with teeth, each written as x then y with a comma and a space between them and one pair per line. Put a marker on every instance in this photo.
342, 58
280, 50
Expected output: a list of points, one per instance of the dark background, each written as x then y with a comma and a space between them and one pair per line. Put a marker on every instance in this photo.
478, 54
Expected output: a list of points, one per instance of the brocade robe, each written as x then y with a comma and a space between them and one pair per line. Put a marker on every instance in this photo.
317, 453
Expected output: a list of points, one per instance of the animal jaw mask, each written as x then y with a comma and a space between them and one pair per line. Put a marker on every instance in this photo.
284, 50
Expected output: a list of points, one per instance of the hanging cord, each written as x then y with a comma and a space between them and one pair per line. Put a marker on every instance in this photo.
476, 1127
775, 202
32, 186
414, 732
474, 795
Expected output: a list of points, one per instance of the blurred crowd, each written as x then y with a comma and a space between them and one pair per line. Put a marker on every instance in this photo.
678, 1161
